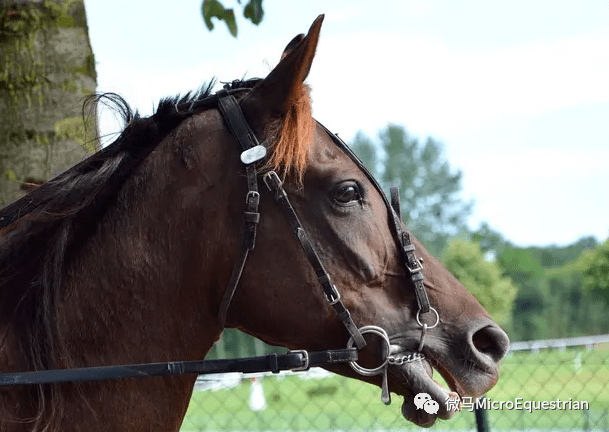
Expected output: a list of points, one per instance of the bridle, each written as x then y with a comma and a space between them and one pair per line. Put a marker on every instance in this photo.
252, 153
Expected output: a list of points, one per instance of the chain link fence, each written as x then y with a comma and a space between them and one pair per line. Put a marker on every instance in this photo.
544, 386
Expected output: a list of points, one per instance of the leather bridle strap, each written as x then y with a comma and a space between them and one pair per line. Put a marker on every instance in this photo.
409, 259
230, 110
404, 239
237, 124
298, 360
273, 183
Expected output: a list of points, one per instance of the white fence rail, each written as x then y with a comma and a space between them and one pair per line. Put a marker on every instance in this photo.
561, 344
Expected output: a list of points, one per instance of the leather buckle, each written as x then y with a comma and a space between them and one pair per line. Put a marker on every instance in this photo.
253, 195
336, 294
271, 180
416, 269
305, 359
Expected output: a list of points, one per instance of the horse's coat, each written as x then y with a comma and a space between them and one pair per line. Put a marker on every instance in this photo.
125, 257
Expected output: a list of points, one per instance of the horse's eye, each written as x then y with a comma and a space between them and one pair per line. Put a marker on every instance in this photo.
347, 194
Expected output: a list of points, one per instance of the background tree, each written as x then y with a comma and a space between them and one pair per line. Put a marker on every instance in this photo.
528, 275
556, 256
482, 278
491, 242
46, 66
429, 189
365, 149
551, 300
595, 268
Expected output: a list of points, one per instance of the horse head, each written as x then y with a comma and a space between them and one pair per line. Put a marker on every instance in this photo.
279, 298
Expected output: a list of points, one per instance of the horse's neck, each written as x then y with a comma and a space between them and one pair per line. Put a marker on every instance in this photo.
146, 287
131, 295
142, 288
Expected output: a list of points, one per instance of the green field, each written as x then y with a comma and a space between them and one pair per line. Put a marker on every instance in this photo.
338, 403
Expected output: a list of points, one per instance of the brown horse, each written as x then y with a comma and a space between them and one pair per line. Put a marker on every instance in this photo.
125, 258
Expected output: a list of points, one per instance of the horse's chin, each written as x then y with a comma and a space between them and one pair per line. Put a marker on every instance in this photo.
417, 377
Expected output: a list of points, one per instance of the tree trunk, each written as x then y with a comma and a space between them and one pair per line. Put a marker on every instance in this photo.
46, 67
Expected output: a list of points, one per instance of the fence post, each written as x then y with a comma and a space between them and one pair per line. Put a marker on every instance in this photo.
586, 420
482, 423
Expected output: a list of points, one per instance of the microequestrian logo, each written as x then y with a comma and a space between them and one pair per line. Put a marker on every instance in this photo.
425, 402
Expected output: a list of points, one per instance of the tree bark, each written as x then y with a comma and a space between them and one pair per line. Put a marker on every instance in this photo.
46, 69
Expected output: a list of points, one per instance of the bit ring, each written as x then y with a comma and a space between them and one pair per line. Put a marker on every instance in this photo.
377, 370
431, 326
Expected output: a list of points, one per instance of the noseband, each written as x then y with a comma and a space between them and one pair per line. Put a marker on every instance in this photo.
252, 153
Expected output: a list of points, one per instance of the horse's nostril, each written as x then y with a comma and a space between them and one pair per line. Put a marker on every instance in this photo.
491, 341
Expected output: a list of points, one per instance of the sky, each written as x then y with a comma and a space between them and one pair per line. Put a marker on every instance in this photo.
517, 92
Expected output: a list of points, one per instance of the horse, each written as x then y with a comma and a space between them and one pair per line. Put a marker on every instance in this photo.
127, 256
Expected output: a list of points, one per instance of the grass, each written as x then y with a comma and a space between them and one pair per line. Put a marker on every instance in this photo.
338, 403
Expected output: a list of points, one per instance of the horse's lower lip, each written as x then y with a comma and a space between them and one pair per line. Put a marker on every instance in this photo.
418, 377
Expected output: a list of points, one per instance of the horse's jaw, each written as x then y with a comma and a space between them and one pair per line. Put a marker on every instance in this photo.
416, 378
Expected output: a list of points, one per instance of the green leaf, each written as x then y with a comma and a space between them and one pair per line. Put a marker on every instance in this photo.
253, 11
211, 9
215, 9
229, 18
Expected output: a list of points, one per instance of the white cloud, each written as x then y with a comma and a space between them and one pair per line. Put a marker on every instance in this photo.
424, 83
541, 194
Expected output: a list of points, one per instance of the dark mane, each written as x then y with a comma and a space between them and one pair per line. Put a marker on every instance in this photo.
39, 230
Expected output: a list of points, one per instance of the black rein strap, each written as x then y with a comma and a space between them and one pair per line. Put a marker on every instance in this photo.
293, 360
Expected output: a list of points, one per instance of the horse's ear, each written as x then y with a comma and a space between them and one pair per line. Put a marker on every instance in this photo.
272, 97
293, 43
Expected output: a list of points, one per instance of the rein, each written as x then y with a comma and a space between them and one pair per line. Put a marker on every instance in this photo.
298, 360
253, 152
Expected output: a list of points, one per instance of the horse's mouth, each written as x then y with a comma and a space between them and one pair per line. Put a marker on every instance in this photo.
425, 400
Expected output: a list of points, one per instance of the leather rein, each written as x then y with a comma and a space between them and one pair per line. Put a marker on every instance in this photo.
253, 152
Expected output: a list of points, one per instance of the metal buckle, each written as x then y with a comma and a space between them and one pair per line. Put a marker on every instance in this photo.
336, 294
416, 269
271, 175
252, 194
305, 358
